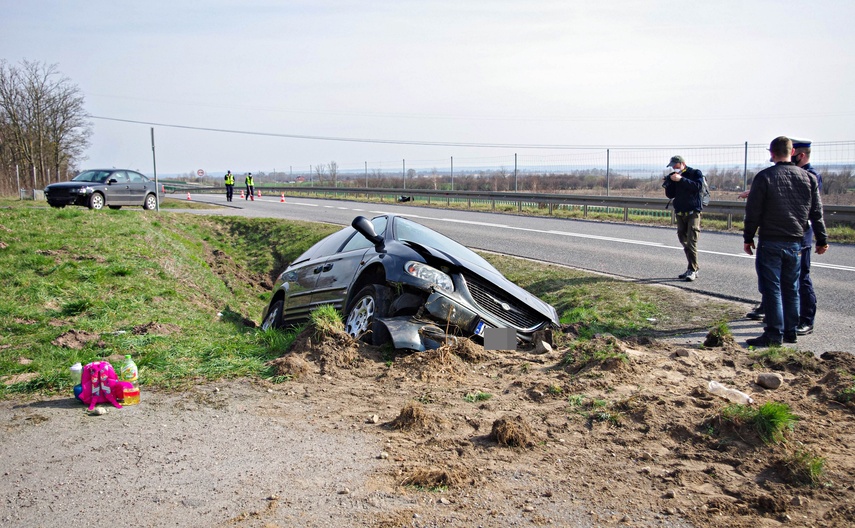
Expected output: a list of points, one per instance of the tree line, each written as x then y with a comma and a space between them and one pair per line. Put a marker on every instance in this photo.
44, 129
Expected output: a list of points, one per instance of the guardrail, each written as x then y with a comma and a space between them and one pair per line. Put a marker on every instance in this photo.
834, 214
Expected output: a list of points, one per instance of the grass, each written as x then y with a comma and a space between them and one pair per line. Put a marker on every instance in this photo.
771, 421
805, 468
781, 358
106, 272
474, 397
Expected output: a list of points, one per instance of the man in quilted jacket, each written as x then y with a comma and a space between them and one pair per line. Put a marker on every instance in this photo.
782, 200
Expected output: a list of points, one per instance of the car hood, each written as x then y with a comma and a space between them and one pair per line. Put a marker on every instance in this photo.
489, 275
72, 185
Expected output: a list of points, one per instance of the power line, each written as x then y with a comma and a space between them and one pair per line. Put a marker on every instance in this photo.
394, 141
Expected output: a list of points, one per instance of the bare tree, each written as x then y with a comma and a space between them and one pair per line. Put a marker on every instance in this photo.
320, 172
42, 121
333, 169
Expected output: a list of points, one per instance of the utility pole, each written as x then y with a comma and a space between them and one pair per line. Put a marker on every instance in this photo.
154, 165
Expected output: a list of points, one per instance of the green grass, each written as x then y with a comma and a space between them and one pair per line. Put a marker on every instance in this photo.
474, 397
771, 421
805, 468
784, 357
106, 272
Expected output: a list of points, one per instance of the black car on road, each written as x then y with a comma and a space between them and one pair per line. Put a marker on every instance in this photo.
99, 187
396, 280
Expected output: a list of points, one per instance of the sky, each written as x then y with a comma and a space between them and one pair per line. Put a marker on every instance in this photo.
257, 85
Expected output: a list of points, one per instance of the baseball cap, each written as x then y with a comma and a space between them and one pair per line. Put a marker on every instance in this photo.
675, 159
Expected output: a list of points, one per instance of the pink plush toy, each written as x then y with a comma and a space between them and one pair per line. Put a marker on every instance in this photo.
100, 385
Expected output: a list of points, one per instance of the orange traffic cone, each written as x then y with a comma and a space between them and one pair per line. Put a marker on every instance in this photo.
241, 194
282, 200
258, 193
163, 189
188, 195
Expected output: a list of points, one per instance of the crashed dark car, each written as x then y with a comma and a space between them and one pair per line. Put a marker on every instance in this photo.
397, 281
99, 187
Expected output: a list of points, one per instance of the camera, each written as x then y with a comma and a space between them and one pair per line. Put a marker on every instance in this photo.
667, 178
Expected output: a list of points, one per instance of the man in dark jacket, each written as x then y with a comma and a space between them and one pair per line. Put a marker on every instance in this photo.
807, 295
684, 185
782, 200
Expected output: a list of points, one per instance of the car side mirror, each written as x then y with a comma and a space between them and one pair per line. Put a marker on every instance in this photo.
111, 181
366, 229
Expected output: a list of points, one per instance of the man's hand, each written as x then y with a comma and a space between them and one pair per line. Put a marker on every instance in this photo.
743, 195
749, 248
821, 249
675, 176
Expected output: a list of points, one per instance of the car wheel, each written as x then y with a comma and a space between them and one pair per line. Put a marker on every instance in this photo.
150, 202
274, 317
116, 207
369, 305
96, 201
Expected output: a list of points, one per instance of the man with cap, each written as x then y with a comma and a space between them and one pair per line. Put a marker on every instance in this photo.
683, 186
230, 185
782, 200
807, 295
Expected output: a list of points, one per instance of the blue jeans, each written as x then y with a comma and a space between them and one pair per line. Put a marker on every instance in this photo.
778, 266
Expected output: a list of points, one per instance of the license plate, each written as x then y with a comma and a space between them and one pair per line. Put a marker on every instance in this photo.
479, 330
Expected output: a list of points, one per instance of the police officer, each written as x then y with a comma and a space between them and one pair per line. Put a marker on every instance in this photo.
250, 187
230, 185
807, 296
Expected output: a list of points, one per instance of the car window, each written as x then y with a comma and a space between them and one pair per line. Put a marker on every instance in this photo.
360, 242
120, 176
327, 246
96, 176
407, 230
136, 177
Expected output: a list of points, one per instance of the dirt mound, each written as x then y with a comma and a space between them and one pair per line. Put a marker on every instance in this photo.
156, 328
439, 365
513, 432
413, 417
331, 350
76, 340
291, 366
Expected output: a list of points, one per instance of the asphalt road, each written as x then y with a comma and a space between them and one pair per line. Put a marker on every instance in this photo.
640, 253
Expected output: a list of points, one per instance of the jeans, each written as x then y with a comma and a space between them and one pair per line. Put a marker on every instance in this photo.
688, 231
807, 296
778, 266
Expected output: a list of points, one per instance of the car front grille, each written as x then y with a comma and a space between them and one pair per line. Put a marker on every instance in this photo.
498, 303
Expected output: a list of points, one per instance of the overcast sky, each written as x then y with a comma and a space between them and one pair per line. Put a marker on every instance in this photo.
571, 73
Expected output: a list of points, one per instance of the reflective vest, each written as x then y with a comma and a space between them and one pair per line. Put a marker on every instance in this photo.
230, 179
249, 181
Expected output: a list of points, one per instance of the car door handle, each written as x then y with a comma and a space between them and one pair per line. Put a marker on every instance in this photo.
317, 270
327, 267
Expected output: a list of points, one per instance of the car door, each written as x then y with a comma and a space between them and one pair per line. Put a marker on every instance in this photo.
118, 192
138, 188
336, 274
302, 276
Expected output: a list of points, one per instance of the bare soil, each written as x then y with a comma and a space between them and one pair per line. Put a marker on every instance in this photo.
459, 436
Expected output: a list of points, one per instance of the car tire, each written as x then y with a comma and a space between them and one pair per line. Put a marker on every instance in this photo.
115, 207
96, 201
370, 304
274, 316
150, 202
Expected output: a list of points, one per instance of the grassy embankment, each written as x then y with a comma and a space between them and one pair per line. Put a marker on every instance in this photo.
106, 273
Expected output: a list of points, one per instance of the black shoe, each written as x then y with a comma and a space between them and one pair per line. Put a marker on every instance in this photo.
804, 329
790, 337
762, 342
756, 314
684, 274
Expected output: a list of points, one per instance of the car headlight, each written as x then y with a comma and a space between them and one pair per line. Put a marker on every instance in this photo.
429, 274
82, 190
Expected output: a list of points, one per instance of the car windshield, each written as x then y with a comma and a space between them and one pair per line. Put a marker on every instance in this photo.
409, 231
94, 176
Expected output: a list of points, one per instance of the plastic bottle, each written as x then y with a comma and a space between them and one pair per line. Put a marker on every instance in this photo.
76, 373
129, 371
730, 394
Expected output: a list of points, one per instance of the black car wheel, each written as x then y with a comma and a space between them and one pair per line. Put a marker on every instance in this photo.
274, 317
116, 207
371, 303
150, 202
96, 201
